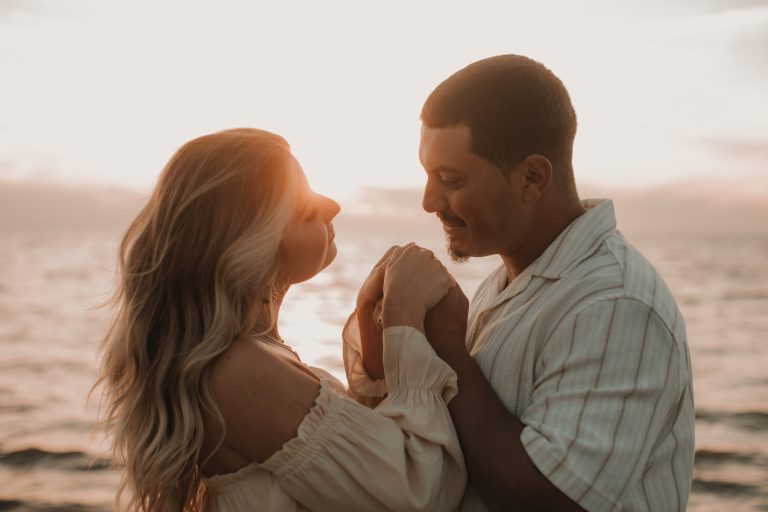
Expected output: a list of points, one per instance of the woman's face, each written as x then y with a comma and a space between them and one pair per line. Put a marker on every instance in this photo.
308, 245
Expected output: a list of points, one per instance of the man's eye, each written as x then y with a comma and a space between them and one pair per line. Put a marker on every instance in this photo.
448, 181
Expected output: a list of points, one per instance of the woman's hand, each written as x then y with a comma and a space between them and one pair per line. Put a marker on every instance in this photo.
368, 313
414, 282
372, 289
446, 324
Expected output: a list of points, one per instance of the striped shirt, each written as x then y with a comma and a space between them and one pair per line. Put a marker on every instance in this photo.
587, 347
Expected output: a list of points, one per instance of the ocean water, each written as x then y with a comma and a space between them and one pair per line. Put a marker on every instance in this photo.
51, 285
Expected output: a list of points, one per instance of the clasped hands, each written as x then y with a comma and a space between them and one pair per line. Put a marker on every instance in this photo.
408, 286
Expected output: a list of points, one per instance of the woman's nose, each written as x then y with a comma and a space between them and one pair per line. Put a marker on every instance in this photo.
329, 208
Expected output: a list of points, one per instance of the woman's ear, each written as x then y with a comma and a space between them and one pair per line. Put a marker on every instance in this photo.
537, 170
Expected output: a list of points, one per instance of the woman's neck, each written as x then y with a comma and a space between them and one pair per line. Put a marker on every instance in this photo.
260, 327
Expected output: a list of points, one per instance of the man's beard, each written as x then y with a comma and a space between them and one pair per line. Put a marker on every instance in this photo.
456, 256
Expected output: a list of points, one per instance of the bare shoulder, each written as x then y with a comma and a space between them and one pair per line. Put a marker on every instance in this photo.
263, 397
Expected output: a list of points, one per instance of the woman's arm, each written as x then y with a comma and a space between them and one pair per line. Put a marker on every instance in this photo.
330, 453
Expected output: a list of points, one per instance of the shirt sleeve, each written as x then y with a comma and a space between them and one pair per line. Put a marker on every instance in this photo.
402, 455
608, 388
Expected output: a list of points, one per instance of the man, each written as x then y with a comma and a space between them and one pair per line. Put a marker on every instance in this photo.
574, 375
575, 380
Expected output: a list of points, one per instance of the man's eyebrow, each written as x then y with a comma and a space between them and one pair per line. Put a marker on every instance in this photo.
446, 169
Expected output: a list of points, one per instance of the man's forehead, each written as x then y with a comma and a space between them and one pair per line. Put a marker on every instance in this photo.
444, 143
456, 133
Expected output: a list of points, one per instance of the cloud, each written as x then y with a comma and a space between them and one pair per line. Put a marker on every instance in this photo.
395, 215
735, 148
11, 8
392, 201
748, 158
690, 206
32, 206
730, 5
748, 49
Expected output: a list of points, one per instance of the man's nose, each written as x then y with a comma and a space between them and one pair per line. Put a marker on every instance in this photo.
431, 199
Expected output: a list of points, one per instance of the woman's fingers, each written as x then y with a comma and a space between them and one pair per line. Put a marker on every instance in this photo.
373, 287
377, 273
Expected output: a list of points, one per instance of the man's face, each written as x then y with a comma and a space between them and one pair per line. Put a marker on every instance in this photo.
478, 204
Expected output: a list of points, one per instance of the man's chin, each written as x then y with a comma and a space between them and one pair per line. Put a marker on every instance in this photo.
456, 254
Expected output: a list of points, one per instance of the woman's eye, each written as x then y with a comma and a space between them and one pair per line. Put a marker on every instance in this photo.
311, 213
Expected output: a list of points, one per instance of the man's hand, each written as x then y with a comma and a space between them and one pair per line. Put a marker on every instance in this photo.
414, 282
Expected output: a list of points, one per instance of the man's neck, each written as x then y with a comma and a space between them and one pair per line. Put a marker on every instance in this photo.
547, 228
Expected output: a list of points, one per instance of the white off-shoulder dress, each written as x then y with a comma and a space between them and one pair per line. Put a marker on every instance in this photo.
401, 455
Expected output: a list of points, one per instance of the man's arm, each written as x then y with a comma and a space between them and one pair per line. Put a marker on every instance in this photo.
610, 397
497, 462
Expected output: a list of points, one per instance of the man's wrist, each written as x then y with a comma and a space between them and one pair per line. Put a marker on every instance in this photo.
456, 358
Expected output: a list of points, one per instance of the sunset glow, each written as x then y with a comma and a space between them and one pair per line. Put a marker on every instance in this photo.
96, 95
103, 92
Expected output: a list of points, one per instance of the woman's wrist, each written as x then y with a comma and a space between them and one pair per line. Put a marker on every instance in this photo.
394, 315
366, 306
370, 342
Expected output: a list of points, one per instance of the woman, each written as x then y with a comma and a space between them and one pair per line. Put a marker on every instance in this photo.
208, 408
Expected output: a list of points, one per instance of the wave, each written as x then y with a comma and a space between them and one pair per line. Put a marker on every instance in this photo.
66, 461
753, 421
34, 506
716, 458
724, 488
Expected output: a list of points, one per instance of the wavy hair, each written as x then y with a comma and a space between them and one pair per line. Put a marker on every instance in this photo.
197, 268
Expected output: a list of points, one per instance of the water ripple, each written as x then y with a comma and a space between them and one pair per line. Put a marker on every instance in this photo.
68, 461
753, 421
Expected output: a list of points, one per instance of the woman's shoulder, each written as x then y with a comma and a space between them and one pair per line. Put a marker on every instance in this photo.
262, 395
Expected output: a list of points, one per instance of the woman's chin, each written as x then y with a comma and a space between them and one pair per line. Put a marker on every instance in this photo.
330, 254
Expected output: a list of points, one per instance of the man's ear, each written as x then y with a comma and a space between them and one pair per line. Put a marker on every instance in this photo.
537, 172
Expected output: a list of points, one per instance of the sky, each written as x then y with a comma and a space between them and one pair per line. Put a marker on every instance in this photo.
100, 92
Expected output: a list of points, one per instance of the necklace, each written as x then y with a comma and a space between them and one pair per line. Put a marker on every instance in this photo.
272, 340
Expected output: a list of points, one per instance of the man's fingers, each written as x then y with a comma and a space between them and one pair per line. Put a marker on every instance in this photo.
378, 268
398, 253
386, 255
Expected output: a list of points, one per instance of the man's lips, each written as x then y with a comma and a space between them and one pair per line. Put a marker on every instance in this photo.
452, 225
451, 222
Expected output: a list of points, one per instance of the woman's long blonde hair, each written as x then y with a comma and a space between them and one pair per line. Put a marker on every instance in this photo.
197, 268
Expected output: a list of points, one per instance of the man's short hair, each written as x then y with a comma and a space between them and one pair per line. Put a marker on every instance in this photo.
514, 107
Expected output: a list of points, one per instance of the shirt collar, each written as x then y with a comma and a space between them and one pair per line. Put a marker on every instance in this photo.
574, 244
578, 241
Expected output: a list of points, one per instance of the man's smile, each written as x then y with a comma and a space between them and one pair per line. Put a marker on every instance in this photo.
449, 221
